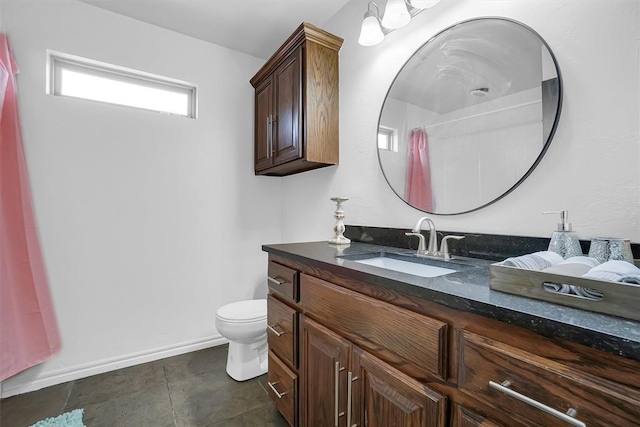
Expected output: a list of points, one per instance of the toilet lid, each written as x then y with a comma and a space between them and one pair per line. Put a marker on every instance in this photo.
244, 311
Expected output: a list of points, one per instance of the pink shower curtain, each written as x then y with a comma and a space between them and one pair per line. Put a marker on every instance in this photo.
28, 329
418, 192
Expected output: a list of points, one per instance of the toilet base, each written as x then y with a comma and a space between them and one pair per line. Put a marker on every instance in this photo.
246, 361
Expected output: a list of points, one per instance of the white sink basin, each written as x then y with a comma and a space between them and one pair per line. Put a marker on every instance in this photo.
401, 266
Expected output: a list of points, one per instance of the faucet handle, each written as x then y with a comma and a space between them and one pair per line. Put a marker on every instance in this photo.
422, 246
445, 246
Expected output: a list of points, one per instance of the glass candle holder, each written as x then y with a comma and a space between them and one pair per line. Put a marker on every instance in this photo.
606, 249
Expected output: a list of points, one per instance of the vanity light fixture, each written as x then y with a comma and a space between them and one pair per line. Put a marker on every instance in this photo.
397, 14
371, 32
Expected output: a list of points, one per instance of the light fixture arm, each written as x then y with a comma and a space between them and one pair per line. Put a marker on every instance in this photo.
374, 4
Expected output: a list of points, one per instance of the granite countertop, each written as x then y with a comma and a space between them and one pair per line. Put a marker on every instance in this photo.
468, 290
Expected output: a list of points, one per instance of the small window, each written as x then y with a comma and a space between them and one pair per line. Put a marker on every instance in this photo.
77, 77
387, 139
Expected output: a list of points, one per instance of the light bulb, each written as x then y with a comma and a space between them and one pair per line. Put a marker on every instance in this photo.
370, 32
396, 14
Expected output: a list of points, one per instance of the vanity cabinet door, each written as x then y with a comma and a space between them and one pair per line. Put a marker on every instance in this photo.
324, 358
383, 396
278, 125
263, 125
286, 123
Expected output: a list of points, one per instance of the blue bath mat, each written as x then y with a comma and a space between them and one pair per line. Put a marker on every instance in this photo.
68, 419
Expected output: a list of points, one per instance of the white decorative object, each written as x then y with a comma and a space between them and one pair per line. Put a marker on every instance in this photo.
338, 228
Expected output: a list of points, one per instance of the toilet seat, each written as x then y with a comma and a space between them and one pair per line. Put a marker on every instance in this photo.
248, 311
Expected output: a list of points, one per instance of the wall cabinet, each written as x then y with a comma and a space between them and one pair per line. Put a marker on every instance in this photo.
296, 105
361, 355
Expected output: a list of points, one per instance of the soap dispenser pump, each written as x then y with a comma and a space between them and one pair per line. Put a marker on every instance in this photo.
564, 241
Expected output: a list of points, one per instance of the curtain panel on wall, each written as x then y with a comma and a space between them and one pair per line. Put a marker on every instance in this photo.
28, 329
419, 192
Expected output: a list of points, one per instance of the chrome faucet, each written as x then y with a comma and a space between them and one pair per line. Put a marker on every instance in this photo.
432, 249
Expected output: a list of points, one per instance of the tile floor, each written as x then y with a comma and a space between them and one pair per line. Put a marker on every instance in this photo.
191, 390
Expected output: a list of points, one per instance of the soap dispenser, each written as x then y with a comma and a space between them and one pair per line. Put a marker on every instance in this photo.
564, 241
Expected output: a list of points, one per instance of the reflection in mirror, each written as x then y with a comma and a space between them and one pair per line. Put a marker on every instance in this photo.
469, 116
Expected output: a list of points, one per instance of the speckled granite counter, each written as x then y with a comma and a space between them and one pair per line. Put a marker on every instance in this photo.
468, 290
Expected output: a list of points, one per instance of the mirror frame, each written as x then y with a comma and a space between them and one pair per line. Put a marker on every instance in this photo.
546, 143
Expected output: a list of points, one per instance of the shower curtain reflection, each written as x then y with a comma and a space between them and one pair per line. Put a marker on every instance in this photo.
418, 190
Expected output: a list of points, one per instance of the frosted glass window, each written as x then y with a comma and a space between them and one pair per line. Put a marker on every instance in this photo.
83, 78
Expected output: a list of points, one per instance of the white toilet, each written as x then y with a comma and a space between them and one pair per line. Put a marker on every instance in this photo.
244, 324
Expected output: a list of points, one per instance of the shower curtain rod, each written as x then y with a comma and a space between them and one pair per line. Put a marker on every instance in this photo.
486, 113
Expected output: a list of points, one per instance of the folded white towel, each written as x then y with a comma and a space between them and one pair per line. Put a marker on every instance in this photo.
603, 275
591, 262
534, 261
613, 271
553, 257
623, 268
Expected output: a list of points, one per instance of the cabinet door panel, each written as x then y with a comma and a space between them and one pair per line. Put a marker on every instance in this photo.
322, 354
387, 397
287, 126
264, 108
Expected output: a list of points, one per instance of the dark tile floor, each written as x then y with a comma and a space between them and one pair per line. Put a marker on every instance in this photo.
191, 390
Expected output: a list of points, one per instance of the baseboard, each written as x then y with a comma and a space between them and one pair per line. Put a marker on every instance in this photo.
94, 368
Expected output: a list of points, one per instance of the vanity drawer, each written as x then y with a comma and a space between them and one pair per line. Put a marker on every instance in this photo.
413, 343
282, 330
283, 280
282, 386
486, 365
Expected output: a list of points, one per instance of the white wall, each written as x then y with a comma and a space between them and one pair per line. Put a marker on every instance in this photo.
591, 168
148, 222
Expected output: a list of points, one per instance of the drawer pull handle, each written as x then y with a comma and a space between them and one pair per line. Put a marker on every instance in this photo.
350, 378
336, 414
273, 387
568, 417
275, 331
276, 281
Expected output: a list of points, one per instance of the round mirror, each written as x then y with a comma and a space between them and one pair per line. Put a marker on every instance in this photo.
469, 116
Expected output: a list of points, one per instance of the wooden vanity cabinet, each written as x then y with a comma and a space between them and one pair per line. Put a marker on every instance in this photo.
296, 105
375, 357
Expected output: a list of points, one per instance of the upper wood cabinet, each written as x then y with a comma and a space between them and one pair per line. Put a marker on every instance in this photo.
296, 105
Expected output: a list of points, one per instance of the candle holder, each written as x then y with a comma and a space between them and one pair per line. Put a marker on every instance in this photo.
339, 228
